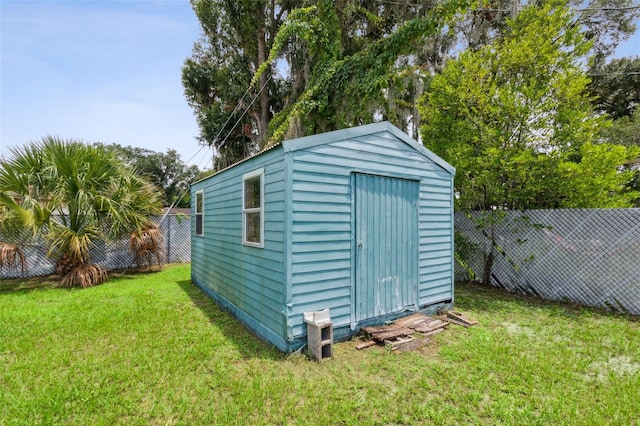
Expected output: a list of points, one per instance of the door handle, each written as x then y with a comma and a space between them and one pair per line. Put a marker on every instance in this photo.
360, 244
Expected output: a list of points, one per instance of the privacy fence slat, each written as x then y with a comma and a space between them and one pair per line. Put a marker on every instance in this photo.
587, 256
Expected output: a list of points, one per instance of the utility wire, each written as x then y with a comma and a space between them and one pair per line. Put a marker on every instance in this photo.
184, 191
245, 112
233, 112
615, 73
588, 9
608, 9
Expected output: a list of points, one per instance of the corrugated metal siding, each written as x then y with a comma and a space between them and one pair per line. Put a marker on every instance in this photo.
321, 233
251, 278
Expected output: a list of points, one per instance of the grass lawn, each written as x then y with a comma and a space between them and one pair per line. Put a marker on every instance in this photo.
153, 349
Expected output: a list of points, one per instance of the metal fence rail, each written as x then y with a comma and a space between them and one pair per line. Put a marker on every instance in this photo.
588, 256
176, 231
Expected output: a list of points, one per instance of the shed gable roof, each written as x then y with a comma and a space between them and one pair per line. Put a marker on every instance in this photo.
343, 134
354, 132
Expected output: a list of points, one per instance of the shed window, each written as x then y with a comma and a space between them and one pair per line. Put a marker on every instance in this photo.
200, 213
253, 208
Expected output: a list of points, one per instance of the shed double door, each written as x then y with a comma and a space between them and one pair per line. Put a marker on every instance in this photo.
386, 238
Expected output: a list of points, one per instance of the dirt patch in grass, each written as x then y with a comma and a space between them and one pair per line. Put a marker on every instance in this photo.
619, 366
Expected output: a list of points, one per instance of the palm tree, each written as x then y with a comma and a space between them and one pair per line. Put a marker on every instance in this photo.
72, 195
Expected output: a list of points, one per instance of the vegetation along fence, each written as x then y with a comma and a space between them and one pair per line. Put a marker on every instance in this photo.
176, 232
588, 256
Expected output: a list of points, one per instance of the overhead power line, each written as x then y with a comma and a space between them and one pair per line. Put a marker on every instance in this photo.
608, 9
184, 191
615, 73
245, 111
588, 9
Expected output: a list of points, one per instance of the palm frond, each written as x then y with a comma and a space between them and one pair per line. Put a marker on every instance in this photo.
75, 244
146, 245
11, 255
85, 275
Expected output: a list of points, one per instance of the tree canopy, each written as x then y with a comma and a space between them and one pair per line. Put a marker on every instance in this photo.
514, 117
166, 171
235, 41
318, 66
311, 68
616, 87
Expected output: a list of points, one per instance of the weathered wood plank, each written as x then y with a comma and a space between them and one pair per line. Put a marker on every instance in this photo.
433, 333
432, 326
373, 329
398, 332
366, 344
412, 320
461, 319
408, 344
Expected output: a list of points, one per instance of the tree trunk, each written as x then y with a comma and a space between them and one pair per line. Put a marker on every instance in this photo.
66, 264
263, 120
488, 265
489, 257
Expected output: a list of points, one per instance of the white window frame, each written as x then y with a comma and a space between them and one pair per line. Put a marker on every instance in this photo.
260, 209
201, 213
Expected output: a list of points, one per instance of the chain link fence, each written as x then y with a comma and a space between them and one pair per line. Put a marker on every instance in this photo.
176, 232
587, 256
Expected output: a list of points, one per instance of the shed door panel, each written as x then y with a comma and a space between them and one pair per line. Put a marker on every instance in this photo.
386, 226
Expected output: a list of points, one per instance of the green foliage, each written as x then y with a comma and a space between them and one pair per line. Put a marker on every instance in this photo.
599, 179
465, 248
604, 23
300, 67
165, 170
72, 195
513, 117
515, 120
616, 87
624, 131
236, 38
345, 90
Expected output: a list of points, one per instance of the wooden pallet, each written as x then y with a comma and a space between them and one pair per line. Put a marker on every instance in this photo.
398, 334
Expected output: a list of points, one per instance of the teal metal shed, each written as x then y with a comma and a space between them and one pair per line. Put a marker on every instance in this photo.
358, 220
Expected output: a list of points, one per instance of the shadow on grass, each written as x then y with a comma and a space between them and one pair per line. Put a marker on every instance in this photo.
248, 344
23, 285
477, 297
54, 282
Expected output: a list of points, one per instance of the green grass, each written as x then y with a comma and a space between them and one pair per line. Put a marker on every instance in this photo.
153, 349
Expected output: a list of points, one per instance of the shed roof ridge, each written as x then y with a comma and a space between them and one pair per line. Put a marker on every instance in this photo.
367, 129
303, 142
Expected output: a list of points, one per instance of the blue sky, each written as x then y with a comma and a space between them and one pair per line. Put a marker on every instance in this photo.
106, 71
